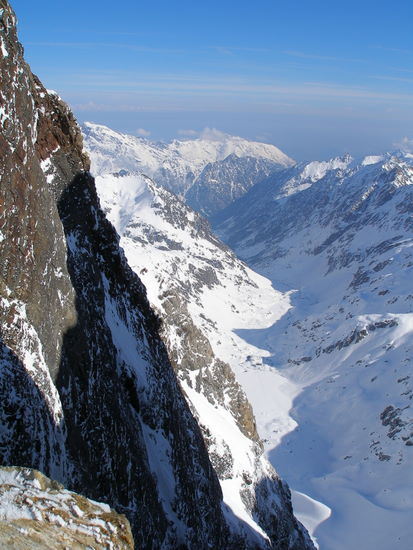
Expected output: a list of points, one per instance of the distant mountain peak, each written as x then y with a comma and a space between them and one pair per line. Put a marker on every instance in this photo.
210, 171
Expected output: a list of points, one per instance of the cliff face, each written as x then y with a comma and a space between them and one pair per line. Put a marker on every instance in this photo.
37, 299
38, 136
88, 395
201, 291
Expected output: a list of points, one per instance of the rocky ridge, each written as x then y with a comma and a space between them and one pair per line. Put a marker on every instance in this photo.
194, 282
88, 395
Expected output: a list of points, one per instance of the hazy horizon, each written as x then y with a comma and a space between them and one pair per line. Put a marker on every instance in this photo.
315, 80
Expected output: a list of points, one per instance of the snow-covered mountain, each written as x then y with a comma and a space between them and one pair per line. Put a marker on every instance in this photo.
202, 293
88, 394
222, 182
337, 238
210, 172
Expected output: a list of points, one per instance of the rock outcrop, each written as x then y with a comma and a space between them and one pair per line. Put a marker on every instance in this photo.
37, 513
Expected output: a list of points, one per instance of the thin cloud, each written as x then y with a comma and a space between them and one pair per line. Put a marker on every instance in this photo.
405, 145
263, 137
392, 78
131, 47
119, 33
403, 70
397, 69
188, 133
396, 50
230, 50
126, 92
124, 107
305, 55
90, 106
212, 134
187, 85
142, 132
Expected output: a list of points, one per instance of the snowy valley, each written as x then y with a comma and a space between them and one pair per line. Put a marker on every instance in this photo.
337, 238
324, 358
204, 345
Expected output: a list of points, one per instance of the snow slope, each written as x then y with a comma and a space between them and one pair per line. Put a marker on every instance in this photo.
337, 237
210, 172
203, 293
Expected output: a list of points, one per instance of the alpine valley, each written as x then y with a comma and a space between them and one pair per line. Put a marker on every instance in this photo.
337, 238
136, 347
326, 358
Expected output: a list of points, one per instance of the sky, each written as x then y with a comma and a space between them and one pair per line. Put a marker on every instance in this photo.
316, 78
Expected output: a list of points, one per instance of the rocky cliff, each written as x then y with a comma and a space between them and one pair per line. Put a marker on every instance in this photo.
88, 395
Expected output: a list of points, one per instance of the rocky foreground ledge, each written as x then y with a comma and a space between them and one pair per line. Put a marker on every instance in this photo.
37, 513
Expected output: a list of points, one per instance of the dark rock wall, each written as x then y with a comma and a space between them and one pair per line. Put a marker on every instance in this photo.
87, 391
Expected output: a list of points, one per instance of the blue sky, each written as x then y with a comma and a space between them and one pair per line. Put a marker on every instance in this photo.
315, 78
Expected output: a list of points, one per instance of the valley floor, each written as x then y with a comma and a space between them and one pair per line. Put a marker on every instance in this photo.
348, 492
272, 396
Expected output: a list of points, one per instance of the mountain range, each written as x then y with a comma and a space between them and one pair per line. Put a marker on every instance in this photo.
184, 376
209, 172
328, 352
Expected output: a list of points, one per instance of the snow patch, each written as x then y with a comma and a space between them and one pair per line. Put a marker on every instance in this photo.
3, 48
310, 512
372, 159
